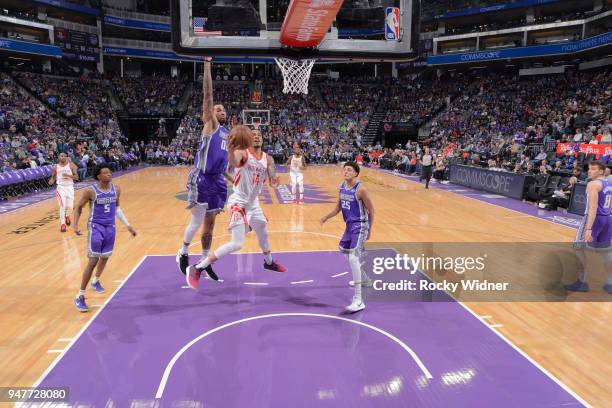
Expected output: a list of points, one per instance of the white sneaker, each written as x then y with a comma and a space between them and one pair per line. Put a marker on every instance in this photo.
355, 306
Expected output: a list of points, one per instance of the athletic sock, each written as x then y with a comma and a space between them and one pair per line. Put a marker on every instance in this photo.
185, 248
203, 264
356, 270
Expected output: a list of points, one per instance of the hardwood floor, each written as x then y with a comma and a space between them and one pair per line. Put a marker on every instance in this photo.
40, 268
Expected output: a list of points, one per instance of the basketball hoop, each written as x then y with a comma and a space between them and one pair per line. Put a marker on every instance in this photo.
296, 74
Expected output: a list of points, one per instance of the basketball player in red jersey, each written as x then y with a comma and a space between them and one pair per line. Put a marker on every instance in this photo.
297, 164
65, 174
251, 166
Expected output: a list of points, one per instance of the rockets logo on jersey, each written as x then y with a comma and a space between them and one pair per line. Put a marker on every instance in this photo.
392, 24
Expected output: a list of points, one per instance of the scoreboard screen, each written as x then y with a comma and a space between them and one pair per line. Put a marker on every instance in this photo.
77, 45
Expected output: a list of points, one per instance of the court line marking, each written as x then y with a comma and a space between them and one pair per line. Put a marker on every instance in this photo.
274, 252
75, 190
63, 353
486, 317
500, 335
256, 283
525, 355
496, 325
516, 348
339, 274
510, 343
166, 375
304, 281
482, 201
66, 339
55, 351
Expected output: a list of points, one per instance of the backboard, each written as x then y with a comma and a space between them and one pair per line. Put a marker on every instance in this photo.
251, 28
256, 117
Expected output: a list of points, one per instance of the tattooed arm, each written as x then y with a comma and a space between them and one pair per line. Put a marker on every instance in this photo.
274, 179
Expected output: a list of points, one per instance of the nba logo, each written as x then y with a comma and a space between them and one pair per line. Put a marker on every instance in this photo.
392, 24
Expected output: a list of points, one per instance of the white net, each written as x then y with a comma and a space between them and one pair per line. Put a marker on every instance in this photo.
296, 74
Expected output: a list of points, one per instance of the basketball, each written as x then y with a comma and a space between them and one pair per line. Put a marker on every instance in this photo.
241, 137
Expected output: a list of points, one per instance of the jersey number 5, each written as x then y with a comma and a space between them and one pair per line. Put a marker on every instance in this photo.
106, 208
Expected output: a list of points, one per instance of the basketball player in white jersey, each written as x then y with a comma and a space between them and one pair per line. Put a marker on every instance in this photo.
297, 164
64, 173
251, 166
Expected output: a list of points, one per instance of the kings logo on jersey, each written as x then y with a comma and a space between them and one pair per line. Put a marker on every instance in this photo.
392, 24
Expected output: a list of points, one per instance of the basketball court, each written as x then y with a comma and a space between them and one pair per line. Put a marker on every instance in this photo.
263, 339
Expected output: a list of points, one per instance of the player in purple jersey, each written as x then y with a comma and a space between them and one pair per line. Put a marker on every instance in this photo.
103, 199
358, 213
595, 231
207, 188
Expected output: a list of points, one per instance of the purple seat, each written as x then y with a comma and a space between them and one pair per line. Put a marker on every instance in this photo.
27, 174
15, 177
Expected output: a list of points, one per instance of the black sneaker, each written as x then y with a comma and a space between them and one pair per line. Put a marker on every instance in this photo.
183, 262
275, 266
211, 274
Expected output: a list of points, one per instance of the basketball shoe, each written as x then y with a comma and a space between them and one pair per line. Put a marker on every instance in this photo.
302, 200
193, 277
356, 305
183, 261
63, 228
578, 286
275, 266
80, 304
68, 222
98, 287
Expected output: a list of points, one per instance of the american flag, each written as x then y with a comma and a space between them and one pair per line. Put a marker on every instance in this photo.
198, 27
198, 24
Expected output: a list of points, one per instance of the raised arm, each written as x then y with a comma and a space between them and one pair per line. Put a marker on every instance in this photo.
208, 117
236, 157
229, 173
274, 179
86, 197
